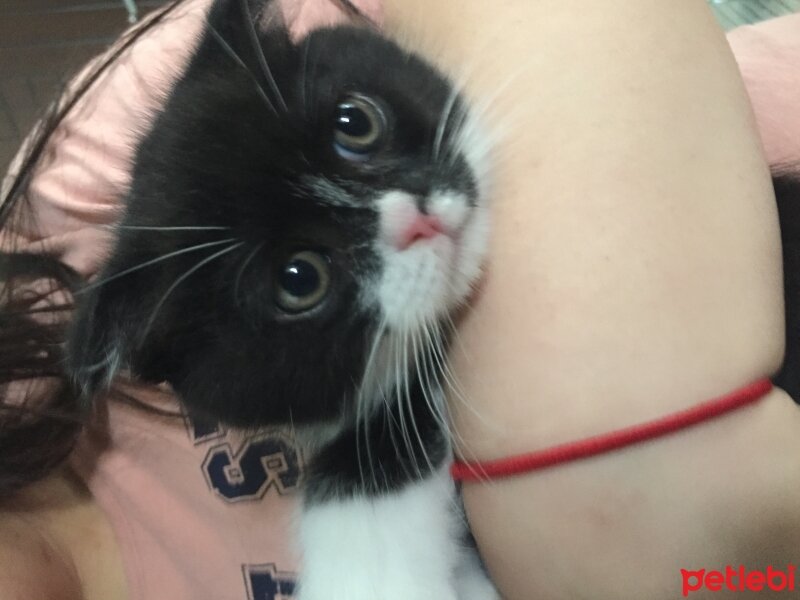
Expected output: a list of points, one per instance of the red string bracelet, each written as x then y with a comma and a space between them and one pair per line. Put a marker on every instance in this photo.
600, 444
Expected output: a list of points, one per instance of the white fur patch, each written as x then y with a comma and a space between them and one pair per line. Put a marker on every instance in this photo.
433, 276
394, 547
475, 143
407, 545
471, 580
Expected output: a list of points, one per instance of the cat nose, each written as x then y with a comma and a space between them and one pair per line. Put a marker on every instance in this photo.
422, 227
404, 222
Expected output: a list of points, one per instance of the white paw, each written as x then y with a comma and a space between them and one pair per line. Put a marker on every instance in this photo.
401, 546
351, 585
471, 580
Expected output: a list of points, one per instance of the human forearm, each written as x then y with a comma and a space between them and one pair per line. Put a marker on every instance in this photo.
634, 272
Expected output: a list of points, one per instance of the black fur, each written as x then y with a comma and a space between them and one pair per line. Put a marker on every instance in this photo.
225, 153
347, 467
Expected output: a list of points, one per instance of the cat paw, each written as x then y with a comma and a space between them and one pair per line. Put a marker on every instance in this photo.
352, 586
398, 546
477, 587
472, 582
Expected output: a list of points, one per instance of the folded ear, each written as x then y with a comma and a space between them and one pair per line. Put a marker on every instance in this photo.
98, 342
303, 16
111, 331
243, 26
297, 17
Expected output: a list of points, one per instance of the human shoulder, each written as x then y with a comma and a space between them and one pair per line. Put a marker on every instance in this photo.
55, 543
34, 564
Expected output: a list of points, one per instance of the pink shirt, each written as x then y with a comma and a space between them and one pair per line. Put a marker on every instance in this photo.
200, 512
769, 59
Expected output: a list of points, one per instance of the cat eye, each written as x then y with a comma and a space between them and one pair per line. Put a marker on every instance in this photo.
360, 127
303, 281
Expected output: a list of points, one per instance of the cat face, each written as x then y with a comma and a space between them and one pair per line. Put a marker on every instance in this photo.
301, 219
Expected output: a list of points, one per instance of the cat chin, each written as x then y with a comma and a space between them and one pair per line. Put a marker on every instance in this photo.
424, 283
414, 286
398, 546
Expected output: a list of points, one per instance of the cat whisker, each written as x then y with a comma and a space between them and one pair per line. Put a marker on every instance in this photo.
435, 407
293, 429
452, 381
369, 376
175, 228
366, 384
309, 90
262, 59
154, 261
402, 392
358, 444
456, 138
106, 364
410, 350
442, 126
401, 402
437, 355
435, 350
238, 60
477, 106
399, 383
394, 424
435, 380
182, 278
110, 365
324, 190
416, 347
454, 335
303, 74
467, 134
241, 270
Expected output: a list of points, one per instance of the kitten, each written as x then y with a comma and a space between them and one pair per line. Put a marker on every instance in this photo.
302, 221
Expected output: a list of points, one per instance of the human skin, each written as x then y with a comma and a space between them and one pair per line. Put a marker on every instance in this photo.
56, 544
634, 271
621, 288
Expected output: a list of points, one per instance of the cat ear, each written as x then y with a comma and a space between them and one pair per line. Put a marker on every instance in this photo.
110, 330
303, 16
240, 22
96, 343
300, 17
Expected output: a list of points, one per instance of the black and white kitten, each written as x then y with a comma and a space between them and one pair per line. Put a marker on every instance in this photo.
302, 221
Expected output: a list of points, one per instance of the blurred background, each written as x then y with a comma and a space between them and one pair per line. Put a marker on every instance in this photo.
42, 41
732, 13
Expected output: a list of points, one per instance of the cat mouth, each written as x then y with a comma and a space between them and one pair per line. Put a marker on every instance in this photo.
422, 227
431, 248
407, 220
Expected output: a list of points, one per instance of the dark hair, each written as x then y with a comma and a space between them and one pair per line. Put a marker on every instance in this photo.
41, 415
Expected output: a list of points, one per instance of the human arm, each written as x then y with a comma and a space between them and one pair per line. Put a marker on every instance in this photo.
473, 22
634, 272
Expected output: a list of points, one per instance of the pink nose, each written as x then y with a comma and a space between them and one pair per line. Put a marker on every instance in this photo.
423, 227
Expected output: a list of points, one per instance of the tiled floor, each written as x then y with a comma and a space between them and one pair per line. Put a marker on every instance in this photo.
41, 41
